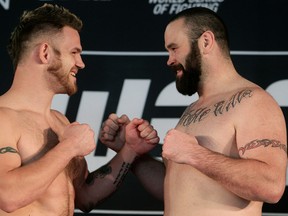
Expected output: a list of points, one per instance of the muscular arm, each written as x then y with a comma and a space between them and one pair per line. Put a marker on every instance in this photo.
21, 184
262, 144
93, 188
151, 173
260, 134
250, 178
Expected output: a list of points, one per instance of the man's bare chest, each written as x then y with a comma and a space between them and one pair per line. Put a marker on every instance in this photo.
36, 138
212, 122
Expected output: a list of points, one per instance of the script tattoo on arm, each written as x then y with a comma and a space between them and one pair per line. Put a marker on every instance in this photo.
106, 170
8, 150
264, 142
122, 173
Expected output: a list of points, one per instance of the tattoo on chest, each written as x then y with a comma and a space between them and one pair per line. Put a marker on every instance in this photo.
265, 143
192, 116
8, 150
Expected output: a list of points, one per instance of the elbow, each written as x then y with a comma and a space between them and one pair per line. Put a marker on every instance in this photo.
11, 201
271, 194
85, 205
277, 190
8, 205
274, 195
84, 208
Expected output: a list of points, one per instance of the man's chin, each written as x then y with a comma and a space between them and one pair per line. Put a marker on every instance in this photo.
186, 93
72, 92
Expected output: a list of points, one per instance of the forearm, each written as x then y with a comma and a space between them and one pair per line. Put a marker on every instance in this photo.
151, 173
249, 179
103, 182
23, 185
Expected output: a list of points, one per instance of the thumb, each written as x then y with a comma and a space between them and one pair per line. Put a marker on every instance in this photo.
123, 119
75, 123
135, 123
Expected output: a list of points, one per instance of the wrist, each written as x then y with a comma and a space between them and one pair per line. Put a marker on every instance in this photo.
67, 148
128, 153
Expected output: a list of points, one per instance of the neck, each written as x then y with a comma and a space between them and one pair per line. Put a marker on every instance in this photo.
28, 92
217, 78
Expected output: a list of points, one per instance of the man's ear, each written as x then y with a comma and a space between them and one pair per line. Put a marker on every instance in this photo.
44, 53
207, 41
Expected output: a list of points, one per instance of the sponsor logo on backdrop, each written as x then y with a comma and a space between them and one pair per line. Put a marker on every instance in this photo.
5, 4
175, 6
94, 103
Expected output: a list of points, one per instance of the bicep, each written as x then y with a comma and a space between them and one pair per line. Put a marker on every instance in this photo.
9, 153
261, 132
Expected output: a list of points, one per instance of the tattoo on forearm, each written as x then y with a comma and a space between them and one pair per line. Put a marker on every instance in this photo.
122, 173
99, 173
192, 116
8, 150
264, 142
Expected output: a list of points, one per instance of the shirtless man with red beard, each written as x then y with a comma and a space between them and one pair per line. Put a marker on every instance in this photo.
42, 166
228, 153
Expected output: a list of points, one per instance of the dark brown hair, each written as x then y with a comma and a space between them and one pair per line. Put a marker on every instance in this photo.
47, 19
200, 19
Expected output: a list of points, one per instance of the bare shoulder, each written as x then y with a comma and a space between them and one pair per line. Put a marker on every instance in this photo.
9, 118
261, 101
6, 111
60, 116
11, 123
9, 136
260, 118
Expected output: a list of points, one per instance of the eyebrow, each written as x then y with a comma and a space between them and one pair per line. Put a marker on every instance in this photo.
169, 46
77, 49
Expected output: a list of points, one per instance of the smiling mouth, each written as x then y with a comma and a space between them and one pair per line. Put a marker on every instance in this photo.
179, 72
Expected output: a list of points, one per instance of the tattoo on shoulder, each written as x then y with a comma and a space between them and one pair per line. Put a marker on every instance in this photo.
8, 150
99, 173
265, 143
226, 105
192, 115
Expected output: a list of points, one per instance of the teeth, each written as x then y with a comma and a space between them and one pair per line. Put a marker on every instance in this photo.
73, 74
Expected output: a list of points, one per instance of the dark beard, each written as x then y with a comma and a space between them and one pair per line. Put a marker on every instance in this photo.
188, 83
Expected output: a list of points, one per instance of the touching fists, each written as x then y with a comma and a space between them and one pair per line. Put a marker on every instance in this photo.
112, 133
141, 136
138, 134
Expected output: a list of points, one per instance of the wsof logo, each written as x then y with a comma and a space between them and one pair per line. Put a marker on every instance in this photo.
5, 4
172, 7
